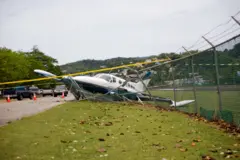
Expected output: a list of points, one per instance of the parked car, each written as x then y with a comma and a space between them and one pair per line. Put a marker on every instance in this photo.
58, 90
19, 92
47, 92
35, 90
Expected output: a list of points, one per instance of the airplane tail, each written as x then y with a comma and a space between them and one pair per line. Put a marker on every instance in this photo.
141, 87
146, 78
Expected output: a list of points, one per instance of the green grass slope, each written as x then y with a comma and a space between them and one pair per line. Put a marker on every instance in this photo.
87, 130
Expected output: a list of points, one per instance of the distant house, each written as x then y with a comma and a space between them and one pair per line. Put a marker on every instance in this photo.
148, 60
103, 66
64, 71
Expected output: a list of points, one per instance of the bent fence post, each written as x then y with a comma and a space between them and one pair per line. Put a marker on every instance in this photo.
217, 72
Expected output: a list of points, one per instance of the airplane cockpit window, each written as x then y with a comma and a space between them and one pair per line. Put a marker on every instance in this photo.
120, 82
106, 77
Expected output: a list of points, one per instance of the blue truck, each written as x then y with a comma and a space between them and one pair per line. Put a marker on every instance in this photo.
19, 93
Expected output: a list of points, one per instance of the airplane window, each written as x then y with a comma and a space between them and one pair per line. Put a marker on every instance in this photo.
114, 79
120, 82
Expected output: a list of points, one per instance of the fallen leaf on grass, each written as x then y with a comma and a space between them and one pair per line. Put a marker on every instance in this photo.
97, 123
196, 140
204, 157
82, 122
178, 145
156, 144
63, 141
88, 131
101, 139
74, 150
101, 150
75, 141
109, 124
193, 144
213, 150
161, 148
183, 149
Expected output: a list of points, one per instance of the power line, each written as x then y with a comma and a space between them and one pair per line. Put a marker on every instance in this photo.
237, 13
209, 38
218, 27
196, 43
226, 34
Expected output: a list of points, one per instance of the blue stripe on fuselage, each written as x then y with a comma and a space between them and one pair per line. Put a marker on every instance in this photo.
93, 88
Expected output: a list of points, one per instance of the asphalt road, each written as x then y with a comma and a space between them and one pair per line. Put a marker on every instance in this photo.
17, 109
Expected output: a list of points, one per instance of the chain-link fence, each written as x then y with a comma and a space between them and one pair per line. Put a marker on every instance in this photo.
211, 78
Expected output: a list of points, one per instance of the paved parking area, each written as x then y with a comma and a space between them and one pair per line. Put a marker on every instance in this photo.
18, 109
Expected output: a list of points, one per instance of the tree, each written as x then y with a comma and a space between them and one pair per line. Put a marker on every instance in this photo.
14, 66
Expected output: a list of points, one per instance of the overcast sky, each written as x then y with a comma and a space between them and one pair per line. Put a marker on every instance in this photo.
71, 30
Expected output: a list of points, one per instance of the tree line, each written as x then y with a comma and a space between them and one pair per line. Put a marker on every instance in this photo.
19, 65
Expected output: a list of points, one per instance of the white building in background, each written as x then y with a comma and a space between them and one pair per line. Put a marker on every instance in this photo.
180, 82
238, 73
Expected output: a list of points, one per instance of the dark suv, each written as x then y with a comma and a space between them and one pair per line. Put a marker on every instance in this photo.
19, 92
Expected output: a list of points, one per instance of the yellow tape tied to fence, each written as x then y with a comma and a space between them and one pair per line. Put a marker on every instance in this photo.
85, 72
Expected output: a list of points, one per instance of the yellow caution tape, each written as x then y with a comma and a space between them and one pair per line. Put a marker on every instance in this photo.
85, 72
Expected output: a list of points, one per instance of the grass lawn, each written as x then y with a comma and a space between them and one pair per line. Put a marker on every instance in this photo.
87, 130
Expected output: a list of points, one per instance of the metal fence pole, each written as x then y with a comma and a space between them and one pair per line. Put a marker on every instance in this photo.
193, 79
236, 20
217, 73
174, 87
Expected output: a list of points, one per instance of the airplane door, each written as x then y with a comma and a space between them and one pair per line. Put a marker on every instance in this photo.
113, 83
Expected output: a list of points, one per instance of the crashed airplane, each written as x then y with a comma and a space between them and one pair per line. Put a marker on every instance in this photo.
108, 84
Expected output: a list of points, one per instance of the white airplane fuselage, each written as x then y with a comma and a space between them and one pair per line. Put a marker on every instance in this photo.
104, 83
